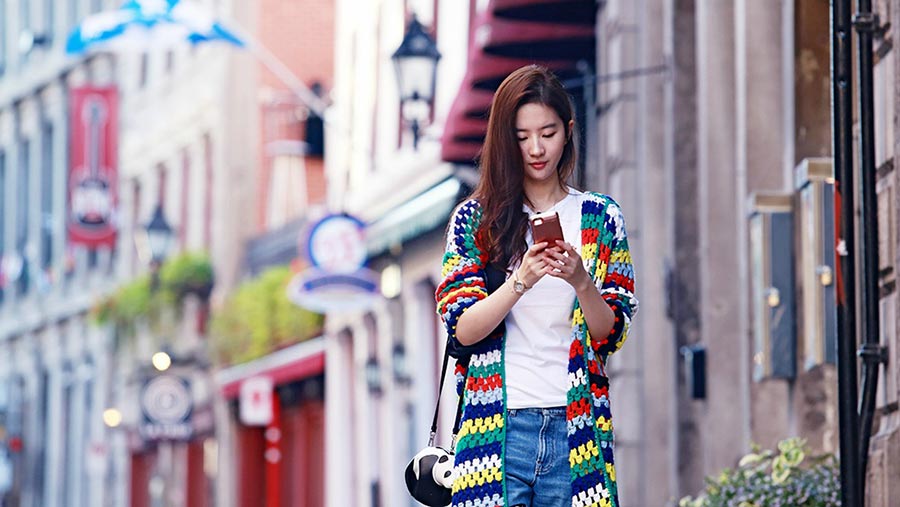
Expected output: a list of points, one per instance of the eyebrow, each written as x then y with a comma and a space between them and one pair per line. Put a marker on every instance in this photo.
547, 126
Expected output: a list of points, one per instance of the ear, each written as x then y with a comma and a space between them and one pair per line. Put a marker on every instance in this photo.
569, 130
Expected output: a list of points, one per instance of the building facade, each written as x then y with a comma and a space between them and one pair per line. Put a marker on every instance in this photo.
726, 157
54, 444
280, 460
383, 362
71, 387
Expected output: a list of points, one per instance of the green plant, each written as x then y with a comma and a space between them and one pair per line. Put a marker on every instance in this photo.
190, 272
138, 300
131, 303
788, 478
257, 318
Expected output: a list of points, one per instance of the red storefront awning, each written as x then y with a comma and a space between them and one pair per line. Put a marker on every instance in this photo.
510, 34
580, 12
537, 40
297, 362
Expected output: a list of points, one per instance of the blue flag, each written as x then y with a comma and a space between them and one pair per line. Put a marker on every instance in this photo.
148, 23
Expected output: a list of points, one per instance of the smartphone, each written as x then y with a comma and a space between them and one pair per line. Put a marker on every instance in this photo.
546, 227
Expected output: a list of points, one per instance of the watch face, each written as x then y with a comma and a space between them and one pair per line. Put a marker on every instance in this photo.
519, 287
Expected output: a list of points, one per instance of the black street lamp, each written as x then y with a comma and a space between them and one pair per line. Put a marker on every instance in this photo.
159, 236
400, 364
416, 64
373, 376
157, 240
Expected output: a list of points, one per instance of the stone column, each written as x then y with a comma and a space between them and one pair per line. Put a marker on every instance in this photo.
722, 276
760, 144
650, 217
884, 466
684, 294
620, 32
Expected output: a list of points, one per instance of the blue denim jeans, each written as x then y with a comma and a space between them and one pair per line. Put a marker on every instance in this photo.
537, 458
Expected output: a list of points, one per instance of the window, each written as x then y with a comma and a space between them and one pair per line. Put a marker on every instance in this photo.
3, 215
208, 194
23, 217
135, 222
74, 13
41, 433
24, 23
49, 21
3, 26
143, 70
287, 190
47, 190
185, 198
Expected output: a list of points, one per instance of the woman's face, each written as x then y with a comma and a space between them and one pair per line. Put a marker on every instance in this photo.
541, 140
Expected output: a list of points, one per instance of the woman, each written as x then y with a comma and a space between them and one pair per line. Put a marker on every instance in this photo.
536, 427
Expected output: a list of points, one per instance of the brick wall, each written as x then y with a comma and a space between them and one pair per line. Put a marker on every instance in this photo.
301, 34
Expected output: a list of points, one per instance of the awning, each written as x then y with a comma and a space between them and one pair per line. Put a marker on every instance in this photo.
427, 211
554, 11
487, 71
507, 35
538, 40
297, 362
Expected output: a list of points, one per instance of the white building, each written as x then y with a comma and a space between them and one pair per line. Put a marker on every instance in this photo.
52, 362
180, 121
404, 197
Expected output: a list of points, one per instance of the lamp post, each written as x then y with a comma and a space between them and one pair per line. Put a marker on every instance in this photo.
155, 242
415, 62
373, 376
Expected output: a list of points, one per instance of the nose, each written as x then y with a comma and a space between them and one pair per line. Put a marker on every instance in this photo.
535, 147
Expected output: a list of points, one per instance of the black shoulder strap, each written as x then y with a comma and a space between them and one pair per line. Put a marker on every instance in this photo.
495, 278
437, 405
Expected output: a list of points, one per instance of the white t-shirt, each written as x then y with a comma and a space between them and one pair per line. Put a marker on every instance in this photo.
539, 326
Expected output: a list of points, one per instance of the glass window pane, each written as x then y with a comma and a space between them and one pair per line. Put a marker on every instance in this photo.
47, 190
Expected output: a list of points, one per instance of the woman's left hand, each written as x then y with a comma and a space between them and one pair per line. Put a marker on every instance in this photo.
567, 265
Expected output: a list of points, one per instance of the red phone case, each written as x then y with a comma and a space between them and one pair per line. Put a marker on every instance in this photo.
546, 228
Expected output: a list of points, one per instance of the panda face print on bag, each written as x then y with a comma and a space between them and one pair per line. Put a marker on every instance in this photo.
429, 476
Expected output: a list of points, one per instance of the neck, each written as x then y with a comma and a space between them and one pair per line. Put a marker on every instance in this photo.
542, 196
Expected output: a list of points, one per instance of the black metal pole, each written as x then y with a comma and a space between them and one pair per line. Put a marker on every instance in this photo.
841, 104
871, 351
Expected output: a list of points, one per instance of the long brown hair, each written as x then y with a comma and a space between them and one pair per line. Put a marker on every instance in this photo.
500, 192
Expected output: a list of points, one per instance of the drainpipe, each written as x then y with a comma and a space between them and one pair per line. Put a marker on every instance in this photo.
842, 123
871, 351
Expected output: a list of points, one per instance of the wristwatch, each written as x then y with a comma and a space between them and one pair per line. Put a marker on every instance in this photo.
519, 286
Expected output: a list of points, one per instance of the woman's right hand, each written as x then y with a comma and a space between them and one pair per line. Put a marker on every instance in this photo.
534, 266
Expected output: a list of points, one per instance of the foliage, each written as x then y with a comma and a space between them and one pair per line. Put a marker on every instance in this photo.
257, 318
186, 273
139, 301
127, 303
765, 479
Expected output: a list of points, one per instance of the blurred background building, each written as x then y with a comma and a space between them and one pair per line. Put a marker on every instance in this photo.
159, 361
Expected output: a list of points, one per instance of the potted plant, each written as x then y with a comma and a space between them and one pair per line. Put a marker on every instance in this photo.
763, 478
188, 273
257, 319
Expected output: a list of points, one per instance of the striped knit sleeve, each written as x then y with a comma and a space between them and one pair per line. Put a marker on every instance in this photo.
617, 285
464, 278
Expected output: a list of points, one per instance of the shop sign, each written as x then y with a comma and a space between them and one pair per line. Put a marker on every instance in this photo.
338, 279
92, 196
166, 407
255, 408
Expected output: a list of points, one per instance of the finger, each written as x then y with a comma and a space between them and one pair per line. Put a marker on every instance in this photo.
555, 254
567, 247
537, 247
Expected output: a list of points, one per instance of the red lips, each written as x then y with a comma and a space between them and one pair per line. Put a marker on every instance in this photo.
538, 165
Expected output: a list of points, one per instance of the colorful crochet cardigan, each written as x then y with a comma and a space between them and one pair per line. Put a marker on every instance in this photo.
480, 448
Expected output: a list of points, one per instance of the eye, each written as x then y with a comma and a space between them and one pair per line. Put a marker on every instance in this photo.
548, 136
522, 139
